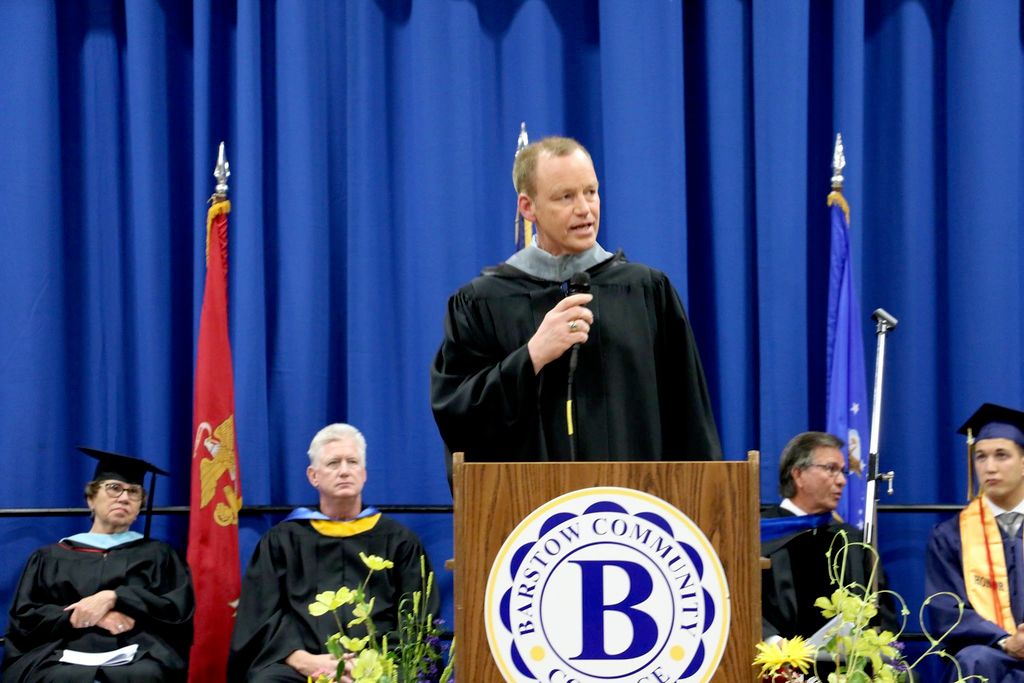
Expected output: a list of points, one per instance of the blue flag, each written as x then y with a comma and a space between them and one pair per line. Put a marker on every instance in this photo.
846, 404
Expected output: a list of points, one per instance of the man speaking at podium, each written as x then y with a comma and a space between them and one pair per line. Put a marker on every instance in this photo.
566, 351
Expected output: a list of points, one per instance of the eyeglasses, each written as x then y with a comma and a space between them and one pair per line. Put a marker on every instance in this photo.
115, 489
833, 469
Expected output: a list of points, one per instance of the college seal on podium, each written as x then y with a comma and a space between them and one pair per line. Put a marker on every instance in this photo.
607, 584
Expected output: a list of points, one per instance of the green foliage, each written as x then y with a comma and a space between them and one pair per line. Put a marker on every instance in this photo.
860, 652
415, 657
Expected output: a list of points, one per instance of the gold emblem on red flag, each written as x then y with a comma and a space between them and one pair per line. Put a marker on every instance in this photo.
216, 447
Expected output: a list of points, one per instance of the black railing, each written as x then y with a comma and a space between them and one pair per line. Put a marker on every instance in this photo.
249, 510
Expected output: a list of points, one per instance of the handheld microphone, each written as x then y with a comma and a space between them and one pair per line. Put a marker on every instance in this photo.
579, 283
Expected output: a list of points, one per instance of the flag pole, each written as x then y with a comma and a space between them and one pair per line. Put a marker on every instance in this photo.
216, 495
885, 323
846, 401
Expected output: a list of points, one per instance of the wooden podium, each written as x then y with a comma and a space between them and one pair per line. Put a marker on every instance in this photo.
720, 497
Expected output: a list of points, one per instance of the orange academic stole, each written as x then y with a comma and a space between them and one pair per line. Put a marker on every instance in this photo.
985, 564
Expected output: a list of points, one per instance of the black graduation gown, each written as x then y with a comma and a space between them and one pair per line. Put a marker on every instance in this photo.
799, 575
291, 564
640, 392
153, 587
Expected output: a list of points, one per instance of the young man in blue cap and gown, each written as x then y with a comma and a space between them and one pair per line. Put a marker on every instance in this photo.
979, 555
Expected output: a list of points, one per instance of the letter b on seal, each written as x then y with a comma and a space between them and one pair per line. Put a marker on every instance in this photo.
594, 609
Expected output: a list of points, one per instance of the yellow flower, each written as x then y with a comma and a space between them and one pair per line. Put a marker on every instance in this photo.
354, 644
362, 612
375, 562
328, 601
795, 652
368, 667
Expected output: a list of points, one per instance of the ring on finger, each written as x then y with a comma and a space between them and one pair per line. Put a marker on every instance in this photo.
573, 324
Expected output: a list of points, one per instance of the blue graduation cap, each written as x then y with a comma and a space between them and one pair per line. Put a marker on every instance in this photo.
992, 421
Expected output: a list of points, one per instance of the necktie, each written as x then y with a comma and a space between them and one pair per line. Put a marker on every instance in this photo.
1009, 522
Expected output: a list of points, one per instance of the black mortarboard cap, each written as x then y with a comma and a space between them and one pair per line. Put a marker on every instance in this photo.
124, 468
992, 421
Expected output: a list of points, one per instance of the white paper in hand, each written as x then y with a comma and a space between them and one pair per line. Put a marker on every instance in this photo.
835, 627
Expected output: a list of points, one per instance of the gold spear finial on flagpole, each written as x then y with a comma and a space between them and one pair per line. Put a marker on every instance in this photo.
221, 172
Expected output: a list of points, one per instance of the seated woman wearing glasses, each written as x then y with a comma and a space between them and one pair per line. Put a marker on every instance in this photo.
102, 591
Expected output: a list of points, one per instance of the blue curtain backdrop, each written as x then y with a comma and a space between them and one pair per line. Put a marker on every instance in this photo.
371, 144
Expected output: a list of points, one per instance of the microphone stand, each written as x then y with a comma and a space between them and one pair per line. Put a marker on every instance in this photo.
885, 323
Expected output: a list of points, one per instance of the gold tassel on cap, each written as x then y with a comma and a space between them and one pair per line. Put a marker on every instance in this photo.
970, 464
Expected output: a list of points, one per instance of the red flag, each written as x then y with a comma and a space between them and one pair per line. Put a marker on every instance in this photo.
216, 489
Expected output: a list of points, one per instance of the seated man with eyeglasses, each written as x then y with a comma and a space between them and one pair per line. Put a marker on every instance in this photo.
95, 593
797, 534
